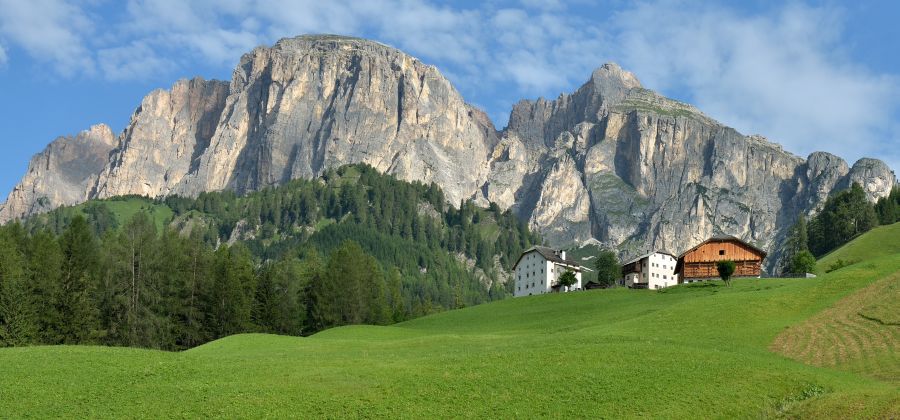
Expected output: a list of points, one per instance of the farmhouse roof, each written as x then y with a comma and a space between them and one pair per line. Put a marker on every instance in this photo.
724, 238
549, 254
636, 259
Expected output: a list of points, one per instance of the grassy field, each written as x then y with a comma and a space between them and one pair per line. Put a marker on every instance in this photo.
124, 208
754, 349
882, 240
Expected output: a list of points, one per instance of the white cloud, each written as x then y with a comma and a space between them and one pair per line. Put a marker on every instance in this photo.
132, 62
3, 58
50, 31
781, 75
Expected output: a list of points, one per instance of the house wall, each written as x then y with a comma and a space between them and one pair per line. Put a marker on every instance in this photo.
531, 275
704, 270
656, 271
701, 262
535, 275
557, 270
661, 271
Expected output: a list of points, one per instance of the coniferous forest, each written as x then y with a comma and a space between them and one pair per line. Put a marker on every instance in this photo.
352, 247
844, 216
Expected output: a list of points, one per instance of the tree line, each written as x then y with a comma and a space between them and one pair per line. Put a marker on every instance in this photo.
353, 247
844, 216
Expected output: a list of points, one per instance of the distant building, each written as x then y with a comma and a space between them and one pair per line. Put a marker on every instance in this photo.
538, 269
699, 262
655, 270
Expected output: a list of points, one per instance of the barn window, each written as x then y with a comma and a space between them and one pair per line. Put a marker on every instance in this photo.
721, 252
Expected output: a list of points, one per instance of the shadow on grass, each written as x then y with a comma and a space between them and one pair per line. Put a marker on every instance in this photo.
705, 286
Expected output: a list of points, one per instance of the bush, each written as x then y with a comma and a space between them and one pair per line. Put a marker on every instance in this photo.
839, 264
726, 269
803, 262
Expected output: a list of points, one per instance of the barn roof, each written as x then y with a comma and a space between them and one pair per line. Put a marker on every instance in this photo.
549, 254
724, 238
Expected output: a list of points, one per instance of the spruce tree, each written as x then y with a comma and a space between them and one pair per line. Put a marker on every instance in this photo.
18, 318
44, 268
796, 243
395, 295
230, 298
70, 301
278, 307
608, 269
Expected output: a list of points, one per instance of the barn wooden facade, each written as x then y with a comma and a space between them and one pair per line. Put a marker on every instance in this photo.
700, 261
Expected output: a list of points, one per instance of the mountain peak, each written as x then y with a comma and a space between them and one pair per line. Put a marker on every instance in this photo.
612, 73
330, 42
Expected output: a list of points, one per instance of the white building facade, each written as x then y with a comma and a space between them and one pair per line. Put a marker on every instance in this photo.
538, 269
655, 270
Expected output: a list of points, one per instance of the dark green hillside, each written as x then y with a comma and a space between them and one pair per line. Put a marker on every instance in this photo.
264, 255
760, 348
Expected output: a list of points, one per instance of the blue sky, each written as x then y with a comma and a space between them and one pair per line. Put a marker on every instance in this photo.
808, 75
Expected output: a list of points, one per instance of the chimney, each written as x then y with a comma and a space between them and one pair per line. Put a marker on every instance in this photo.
562, 254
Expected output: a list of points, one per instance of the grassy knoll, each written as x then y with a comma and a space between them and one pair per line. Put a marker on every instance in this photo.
880, 241
696, 351
861, 332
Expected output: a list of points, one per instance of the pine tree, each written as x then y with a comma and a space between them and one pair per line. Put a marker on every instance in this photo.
75, 314
131, 260
888, 208
191, 314
278, 308
608, 269
18, 318
845, 215
351, 290
44, 268
395, 295
803, 262
230, 299
796, 243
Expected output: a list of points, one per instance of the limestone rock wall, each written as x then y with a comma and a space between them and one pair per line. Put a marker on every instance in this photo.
62, 174
167, 135
612, 162
310, 103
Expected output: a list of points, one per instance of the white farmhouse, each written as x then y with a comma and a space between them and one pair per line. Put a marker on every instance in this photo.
538, 269
655, 270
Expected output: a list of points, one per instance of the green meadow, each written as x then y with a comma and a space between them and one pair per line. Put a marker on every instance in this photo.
813, 348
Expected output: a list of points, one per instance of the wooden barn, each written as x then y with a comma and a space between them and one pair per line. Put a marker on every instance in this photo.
699, 262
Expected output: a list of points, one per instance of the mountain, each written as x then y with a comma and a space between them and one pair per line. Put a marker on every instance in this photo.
295, 109
64, 173
619, 164
612, 163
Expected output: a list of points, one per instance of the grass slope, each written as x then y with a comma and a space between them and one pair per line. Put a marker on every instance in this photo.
880, 241
861, 332
700, 350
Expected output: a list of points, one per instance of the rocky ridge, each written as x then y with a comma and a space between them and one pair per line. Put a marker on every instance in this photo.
612, 162
64, 173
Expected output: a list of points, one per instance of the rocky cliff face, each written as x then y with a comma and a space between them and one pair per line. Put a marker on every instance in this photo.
63, 174
291, 110
165, 139
612, 163
310, 103
644, 172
